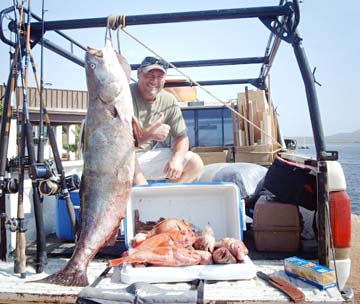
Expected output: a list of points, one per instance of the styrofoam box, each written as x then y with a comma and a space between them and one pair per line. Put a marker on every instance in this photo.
200, 204
216, 204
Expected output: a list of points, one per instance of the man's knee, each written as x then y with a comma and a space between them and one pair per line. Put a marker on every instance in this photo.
195, 163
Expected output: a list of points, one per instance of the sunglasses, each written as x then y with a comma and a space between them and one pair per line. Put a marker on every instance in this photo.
152, 60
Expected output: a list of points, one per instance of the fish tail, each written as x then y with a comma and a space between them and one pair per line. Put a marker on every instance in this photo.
66, 277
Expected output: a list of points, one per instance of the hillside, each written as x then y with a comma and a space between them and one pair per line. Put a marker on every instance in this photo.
351, 137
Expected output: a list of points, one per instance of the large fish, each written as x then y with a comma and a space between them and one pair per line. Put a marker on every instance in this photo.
109, 160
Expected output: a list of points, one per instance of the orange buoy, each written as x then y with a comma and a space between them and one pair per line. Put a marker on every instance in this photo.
340, 216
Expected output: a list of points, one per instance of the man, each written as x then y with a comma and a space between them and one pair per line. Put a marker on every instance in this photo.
159, 115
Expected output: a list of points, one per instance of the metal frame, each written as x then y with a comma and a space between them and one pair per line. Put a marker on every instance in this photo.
281, 20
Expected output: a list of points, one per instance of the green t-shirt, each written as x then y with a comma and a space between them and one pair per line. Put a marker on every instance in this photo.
148, 113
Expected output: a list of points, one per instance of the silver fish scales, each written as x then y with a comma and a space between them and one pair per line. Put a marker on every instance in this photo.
109, 160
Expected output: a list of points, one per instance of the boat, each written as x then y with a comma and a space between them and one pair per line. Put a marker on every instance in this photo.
246, 139
291, 144
303, 145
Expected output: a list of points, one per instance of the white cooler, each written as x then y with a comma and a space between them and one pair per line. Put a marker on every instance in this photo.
200, 204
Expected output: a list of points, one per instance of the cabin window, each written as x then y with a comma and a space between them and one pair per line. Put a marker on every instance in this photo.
189, 117
209, 126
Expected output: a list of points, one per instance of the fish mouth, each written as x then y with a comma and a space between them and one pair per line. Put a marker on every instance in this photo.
95, 52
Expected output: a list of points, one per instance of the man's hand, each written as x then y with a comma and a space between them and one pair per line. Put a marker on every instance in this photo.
157, 131
174, 168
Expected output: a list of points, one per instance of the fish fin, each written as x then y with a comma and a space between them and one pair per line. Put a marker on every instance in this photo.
66, 277
125, 65
117, 262
112, 239
137, 131
117, 112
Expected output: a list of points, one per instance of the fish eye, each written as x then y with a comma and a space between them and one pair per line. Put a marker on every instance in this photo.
92, 66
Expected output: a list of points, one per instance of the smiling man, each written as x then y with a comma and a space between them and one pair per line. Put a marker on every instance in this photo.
159, 115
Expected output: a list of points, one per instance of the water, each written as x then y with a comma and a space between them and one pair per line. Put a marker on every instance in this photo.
349, 158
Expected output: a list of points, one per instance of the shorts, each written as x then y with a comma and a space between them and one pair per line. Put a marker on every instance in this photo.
153, 162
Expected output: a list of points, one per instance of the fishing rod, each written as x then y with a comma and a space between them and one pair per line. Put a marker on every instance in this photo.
35, 171
20, 250
40, 156
66, 183
41, 170
41, 254
7, 185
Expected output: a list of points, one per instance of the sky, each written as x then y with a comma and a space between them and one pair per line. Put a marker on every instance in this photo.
329, 30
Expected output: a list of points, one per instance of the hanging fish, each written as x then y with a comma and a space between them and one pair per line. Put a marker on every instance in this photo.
109, 160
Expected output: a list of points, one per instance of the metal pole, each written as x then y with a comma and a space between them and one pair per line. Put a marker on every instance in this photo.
253, 81
180, 64
214, 62
71, 40
323, 200
222, 14
62, 52
312, 99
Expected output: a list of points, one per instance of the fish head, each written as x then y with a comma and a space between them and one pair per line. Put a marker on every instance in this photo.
104, 73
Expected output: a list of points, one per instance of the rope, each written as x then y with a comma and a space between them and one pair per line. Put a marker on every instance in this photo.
202, 88
115, 22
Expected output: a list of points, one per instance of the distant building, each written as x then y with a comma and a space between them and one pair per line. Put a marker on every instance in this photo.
66, 109
64, 106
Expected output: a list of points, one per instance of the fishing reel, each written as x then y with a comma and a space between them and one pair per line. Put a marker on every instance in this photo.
52, 187
42, 170
10, 223
9, 185
36, 171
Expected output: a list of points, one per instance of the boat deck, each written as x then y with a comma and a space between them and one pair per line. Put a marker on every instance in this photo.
13, 289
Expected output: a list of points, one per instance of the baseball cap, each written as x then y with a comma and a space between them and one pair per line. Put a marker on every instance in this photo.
151, 63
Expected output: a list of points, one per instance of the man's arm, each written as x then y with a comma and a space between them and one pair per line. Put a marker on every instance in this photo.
180, 147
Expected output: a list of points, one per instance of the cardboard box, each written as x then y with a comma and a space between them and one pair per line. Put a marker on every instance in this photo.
276, 226
210, 155
200, 204
258, 154
312, 273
